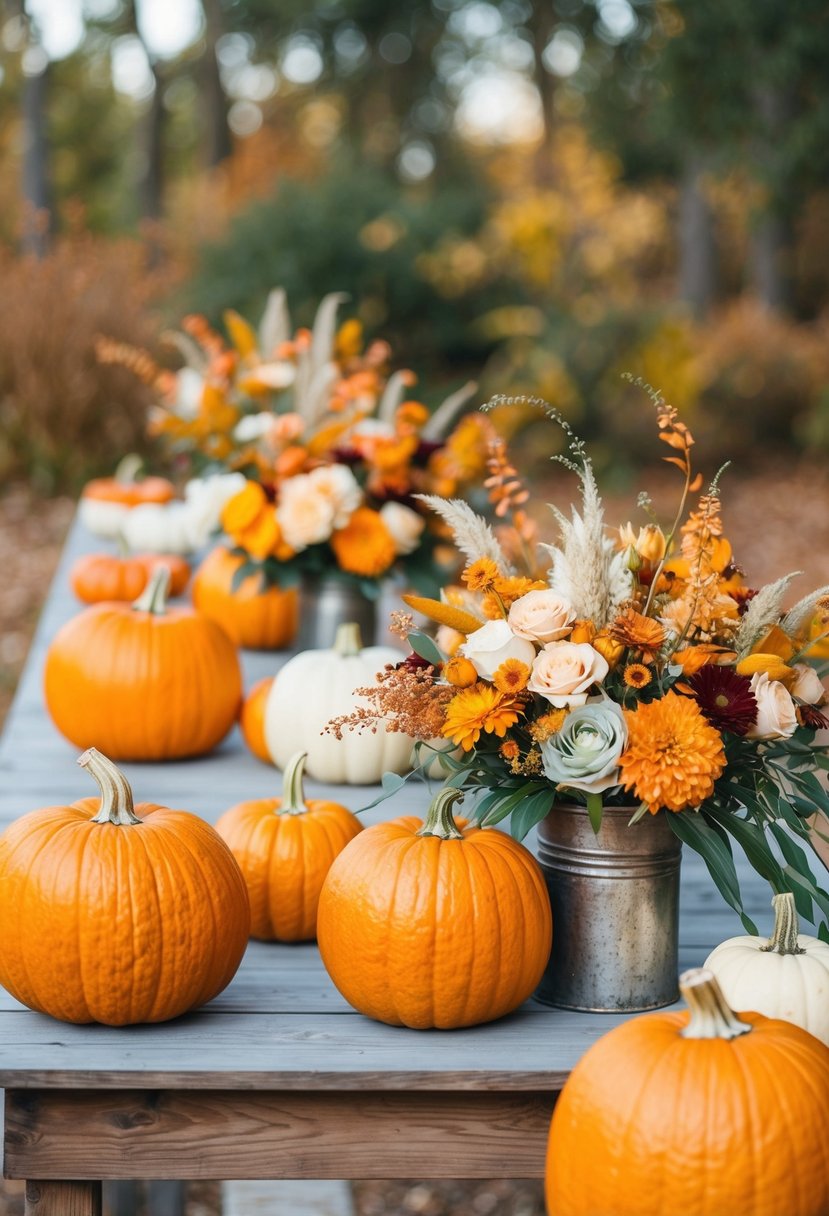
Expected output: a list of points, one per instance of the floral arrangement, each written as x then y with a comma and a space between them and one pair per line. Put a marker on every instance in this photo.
333, 450
633, 666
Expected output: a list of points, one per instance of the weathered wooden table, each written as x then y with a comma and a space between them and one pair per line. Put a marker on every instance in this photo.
277, 1077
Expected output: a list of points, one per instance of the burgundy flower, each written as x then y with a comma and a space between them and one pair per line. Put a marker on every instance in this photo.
810, 715
725, 699
413, 662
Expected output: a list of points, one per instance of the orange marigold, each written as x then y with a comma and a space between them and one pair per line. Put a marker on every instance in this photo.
638, 632
244, 508
673, 756
478, 709
636, 675
481, 575
510, 750
262, 537
512, 676
460, 672
365, 545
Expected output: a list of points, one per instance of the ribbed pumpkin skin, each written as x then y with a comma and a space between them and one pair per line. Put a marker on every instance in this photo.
143, 686
650, 1123
284, 859
252, 719
422, 932
255, 619
118, 924
100, 577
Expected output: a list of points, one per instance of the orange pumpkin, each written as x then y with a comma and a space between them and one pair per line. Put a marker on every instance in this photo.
699, 1111
434, 924
254, 618
143, 681
252, 719
105, 501
285, 847
100, 577
118, 913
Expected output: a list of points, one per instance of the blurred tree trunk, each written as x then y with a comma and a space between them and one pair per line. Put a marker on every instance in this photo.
540, 25
38, 220
697, 240
219, 145
772, 238
151, 180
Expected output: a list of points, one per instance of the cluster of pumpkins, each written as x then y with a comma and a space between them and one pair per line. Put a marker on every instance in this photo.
125, 913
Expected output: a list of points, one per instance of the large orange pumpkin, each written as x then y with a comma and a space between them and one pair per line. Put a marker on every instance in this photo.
434, 924
254, 618
285, 847
118, 913
106, 501
694, 1112
252, 719
143, 681
99, 577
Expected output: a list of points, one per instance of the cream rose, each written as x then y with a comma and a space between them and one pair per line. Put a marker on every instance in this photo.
338, 484
564, 672
808, 686
776, 716
541, 616
405, 526
491, 645
305, 516
253, 427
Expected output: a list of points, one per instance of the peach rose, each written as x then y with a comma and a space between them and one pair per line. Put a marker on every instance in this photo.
807, 685
776, 716
338, 484
305, 516
491, 645
564, 672
405, 526
541, 616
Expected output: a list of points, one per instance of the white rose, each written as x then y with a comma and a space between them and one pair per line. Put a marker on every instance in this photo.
541, 616
808, 687
305, 516
253, 427
776, 716
205, 498
491, 645
405, 526
338, 484
564, 672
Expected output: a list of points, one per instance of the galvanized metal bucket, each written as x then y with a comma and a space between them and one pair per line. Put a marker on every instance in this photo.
325, 604
615, 900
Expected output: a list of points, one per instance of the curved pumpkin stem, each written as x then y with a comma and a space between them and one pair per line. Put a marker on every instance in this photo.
348, 640
439, 818
293, 791
117, 806
153, 598
783, 939
128, 469
711, 1015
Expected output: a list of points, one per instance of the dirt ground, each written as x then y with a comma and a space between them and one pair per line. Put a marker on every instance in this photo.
777, 520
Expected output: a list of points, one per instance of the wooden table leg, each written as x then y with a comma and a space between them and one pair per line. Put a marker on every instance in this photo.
63, 1199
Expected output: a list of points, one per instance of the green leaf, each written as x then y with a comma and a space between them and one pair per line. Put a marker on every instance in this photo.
752, 840
796, 857
595, 806
245, 571
423, 645
823, 932
530, 812
694, 830
820, 897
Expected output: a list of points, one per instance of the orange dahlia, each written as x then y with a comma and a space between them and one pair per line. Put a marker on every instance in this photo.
638, 632
364, 546
673, 756
479, 709
480, 575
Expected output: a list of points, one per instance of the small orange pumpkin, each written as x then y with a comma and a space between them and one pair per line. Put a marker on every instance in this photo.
285, 847
699, 1111
434, 924
118, 913
144, 681
252, 719
100, 577
254, 618
105, 501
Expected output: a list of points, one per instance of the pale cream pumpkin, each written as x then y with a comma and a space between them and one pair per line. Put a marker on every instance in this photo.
318, 685
785, 977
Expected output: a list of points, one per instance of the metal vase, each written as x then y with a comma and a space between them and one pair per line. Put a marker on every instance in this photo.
325, 604
615, 901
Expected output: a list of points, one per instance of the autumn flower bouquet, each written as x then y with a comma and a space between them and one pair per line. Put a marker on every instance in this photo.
617, 667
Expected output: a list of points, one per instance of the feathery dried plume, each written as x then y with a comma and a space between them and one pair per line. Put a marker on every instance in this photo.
763, 611
798, 618
472, 533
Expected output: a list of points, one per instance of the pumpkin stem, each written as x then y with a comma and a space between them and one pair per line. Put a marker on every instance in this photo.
116, 796
786, 926
153, 598
293, 792
128, 469
348, 640
711, 1015
439, 818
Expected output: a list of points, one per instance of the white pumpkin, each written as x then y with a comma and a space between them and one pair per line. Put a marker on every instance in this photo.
154, 528
318, 685
103, 518
785, 977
